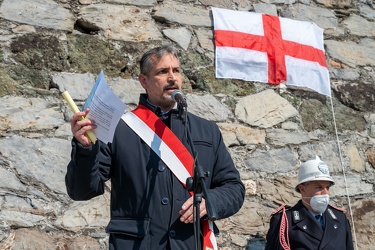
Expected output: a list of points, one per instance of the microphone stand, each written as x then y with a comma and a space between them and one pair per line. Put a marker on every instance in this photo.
196, 184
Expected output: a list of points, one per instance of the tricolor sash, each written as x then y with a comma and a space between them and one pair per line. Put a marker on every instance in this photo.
171, 151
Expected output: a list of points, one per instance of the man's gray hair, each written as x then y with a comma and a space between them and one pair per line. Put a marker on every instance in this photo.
155, 54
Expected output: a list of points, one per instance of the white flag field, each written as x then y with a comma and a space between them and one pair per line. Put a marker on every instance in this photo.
270, 49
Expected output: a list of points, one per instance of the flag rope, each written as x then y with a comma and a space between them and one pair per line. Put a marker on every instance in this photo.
343, 171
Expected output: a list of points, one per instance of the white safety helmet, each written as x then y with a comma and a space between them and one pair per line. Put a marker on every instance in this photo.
313, 170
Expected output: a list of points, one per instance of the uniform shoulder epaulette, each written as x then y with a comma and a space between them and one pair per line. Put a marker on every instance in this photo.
337, 208
281, 208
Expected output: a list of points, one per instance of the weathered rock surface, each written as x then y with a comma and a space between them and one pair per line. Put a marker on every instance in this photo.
48, 46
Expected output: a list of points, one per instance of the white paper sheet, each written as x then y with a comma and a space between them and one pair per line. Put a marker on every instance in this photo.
106, 109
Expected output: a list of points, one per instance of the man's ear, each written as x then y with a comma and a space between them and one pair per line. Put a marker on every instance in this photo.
143, 80
301, 188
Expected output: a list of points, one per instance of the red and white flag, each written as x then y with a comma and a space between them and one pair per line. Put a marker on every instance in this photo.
259, 47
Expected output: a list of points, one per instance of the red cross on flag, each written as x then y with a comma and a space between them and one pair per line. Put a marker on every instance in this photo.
259, 47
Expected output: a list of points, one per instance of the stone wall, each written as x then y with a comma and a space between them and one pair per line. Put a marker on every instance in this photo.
48, 46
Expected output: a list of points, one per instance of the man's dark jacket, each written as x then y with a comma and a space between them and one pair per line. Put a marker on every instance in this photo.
305, 232
145, 196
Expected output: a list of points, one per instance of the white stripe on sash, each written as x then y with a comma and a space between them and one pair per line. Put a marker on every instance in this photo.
158, 146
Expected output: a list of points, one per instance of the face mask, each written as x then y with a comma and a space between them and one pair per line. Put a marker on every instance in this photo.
319, 203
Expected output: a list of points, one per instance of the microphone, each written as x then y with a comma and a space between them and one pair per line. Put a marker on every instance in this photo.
178, 97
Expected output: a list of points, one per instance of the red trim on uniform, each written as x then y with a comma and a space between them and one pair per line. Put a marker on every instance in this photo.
337, 208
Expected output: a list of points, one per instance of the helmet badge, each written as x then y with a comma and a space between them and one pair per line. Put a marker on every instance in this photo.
323, 168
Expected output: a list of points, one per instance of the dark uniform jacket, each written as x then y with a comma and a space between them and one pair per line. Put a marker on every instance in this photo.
145, 195
306, 233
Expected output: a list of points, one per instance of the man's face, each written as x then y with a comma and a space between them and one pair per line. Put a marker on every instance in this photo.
311, 188
163, 79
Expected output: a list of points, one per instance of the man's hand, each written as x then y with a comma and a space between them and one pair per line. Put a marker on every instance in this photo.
79, 127
187, 210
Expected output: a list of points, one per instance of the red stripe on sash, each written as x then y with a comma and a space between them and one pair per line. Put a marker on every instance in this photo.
168, 137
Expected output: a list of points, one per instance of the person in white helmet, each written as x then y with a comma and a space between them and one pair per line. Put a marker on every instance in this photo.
312, 223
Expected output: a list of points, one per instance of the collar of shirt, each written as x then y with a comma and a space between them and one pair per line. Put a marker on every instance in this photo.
313, 214
163, 115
